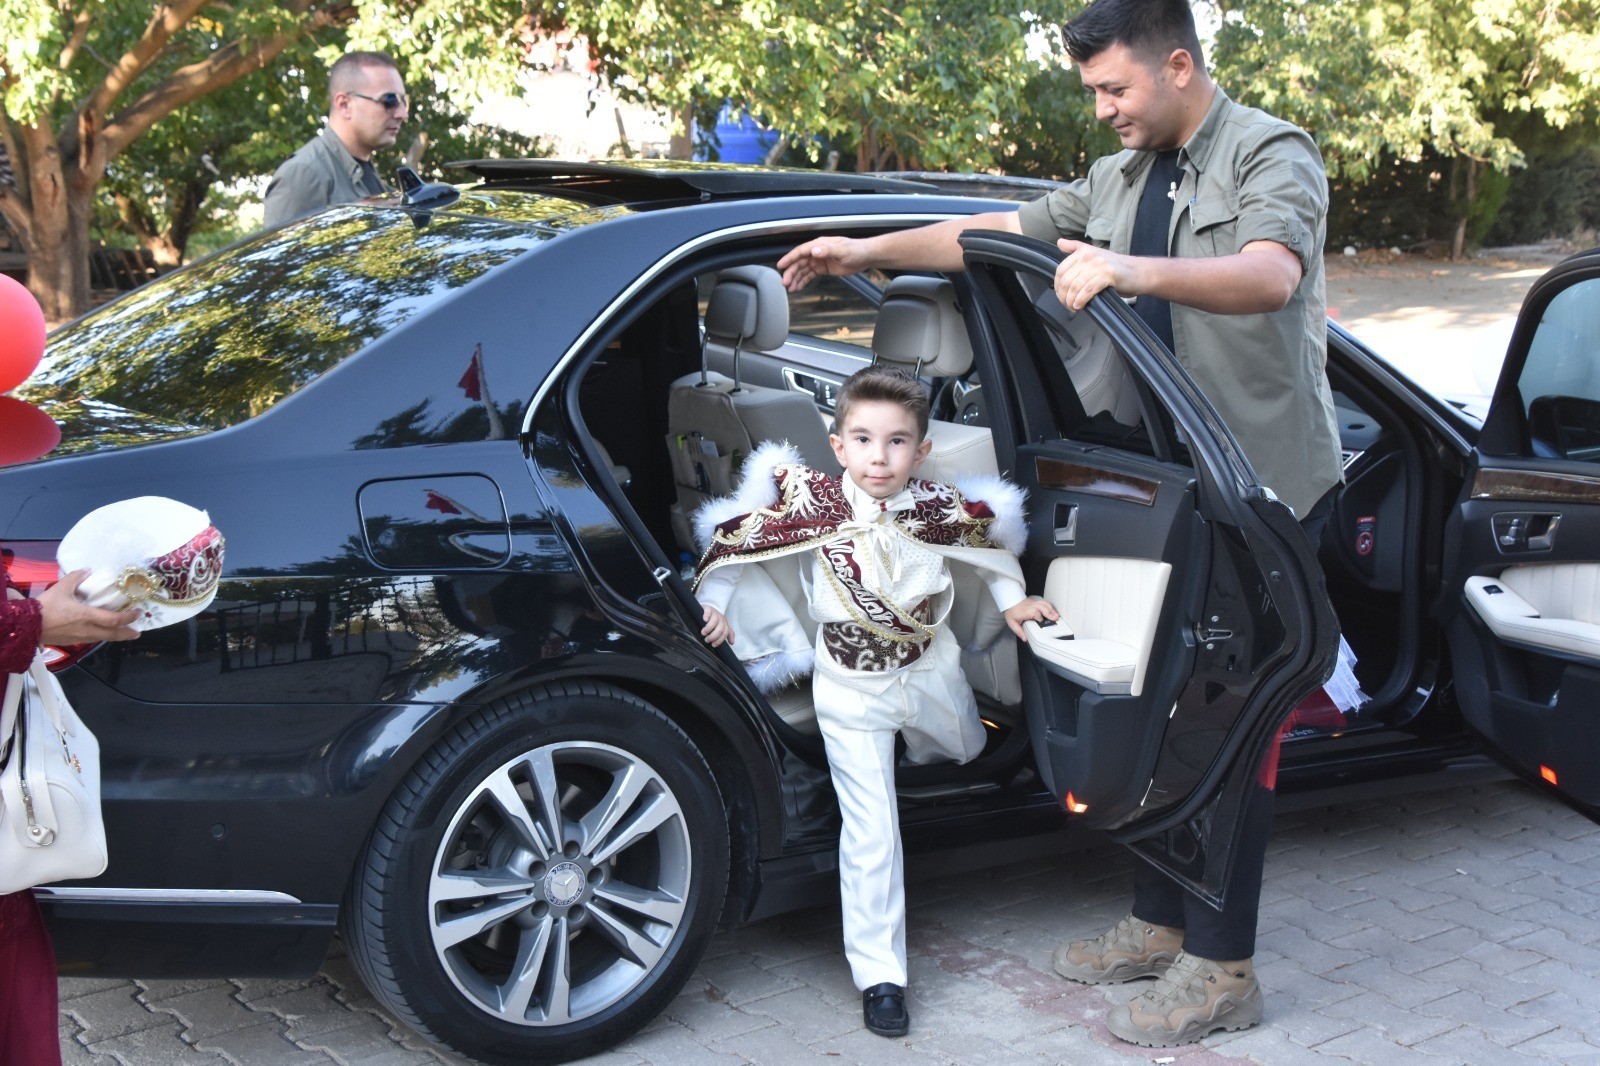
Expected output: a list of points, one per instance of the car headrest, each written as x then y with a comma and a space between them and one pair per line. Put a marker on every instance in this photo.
748, 307
918, 323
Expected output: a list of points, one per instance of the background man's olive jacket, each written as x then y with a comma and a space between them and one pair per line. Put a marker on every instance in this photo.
322, 172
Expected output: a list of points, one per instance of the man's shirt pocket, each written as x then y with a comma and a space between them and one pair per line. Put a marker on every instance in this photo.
1214, 221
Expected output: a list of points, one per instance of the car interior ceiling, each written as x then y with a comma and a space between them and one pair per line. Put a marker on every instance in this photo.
1370, 551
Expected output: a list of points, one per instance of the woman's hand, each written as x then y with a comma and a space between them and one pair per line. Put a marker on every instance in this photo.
65, 619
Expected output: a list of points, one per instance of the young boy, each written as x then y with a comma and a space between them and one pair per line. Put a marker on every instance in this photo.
876, 543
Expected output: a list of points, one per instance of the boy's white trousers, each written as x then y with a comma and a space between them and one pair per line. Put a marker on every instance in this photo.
931, 705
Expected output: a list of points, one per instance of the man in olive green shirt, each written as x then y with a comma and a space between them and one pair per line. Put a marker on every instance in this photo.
366, 106
1213, 218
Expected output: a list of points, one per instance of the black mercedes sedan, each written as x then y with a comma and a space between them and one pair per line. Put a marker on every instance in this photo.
450, 701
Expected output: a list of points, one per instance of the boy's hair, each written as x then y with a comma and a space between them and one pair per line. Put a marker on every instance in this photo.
891, 384
1151, 29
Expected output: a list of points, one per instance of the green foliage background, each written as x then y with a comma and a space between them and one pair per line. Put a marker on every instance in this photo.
1439, 119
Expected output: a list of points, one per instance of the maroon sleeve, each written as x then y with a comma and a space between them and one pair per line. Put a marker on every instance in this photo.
19, 632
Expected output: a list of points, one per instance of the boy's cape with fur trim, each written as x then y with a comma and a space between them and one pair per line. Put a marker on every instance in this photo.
784, 508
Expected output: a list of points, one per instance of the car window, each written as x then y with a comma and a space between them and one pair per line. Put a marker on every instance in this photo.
227, 338
833, 309
830, 309
1093, 368
1560, 382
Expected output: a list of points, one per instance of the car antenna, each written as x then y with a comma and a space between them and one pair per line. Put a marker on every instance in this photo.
423, 197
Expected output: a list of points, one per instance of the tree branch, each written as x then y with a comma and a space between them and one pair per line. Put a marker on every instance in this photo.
195, 80
168, 18
18, 217
80, 32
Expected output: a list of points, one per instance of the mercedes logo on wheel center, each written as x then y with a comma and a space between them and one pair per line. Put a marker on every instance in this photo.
564, 884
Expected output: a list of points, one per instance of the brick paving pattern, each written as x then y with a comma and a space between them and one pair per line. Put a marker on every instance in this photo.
1460, 926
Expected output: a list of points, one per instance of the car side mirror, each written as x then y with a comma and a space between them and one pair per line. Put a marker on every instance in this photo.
1565, 427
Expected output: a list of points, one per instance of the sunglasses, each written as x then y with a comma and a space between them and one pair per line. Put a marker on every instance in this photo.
390, 101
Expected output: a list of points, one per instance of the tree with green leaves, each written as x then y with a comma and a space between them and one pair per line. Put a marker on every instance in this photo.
926, 84
1464, 85
83, 81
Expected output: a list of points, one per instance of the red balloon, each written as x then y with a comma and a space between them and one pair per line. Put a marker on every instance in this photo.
26, 433
21, 333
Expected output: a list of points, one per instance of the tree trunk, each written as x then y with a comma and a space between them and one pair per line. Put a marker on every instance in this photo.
161, 246
1464, 204
56, 237
185, 212
682, 144
866, 149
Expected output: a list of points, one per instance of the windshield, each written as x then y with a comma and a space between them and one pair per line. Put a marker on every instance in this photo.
227, 338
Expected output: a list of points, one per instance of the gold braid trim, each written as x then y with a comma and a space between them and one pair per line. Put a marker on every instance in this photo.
923, 632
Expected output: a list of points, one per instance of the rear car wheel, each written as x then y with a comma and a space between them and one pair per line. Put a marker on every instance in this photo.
546, 878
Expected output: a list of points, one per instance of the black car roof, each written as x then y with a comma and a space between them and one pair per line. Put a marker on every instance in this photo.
646, 180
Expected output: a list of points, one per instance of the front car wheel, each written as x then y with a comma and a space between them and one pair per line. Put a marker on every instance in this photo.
546, 878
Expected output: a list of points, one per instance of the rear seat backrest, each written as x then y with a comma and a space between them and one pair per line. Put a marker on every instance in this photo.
921, 329
713, 422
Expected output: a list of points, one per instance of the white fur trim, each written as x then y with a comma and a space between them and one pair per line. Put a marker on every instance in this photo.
1008, 502
756, 489
775, 672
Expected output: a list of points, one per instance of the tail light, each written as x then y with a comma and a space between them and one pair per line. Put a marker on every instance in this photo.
1073, 804
32, 567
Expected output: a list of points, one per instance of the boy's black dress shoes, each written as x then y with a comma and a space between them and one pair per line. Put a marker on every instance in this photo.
883, 1008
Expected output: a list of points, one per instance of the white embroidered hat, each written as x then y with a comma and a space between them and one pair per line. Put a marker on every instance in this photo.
151, 553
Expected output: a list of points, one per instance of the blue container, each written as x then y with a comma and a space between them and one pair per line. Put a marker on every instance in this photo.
741, 139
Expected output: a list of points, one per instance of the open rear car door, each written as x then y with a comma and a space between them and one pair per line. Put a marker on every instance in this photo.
1521, 600
1194, 615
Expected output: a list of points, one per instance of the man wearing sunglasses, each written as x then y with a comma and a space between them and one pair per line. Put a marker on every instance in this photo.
366, 104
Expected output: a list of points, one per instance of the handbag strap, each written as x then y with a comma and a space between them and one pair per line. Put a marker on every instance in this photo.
32, 753
50, 695
8, 712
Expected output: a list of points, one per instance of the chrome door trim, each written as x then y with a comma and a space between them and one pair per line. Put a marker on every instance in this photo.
77, 894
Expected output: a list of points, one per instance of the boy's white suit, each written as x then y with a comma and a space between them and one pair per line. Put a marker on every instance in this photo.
875, 576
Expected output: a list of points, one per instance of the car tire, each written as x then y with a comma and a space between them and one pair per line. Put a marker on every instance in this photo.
480, 929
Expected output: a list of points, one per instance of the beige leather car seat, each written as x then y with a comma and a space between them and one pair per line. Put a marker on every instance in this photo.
714, 422
920, 328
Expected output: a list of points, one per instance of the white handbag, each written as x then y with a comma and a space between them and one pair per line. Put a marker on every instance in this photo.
50, 824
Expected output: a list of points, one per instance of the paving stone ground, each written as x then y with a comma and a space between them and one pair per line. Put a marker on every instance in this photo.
1458, 926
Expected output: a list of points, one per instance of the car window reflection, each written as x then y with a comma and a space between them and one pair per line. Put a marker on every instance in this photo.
227, 339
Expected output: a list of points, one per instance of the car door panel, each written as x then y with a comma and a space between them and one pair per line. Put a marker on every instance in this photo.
1522, 599
1206, 587
1111, 545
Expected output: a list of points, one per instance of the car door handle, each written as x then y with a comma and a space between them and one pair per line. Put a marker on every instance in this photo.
1524, 531
1066, 524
